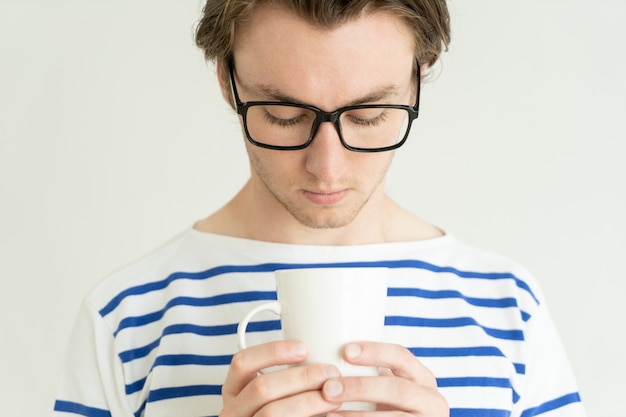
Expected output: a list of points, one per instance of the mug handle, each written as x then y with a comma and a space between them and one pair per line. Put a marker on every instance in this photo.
273, 306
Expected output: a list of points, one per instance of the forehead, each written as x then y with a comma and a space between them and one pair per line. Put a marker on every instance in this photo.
278, 49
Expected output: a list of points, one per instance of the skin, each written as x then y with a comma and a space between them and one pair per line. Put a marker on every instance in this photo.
323, 194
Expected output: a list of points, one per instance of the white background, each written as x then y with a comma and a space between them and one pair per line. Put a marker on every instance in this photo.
113, 138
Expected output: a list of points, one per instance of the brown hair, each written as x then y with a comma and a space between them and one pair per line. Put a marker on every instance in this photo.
428, 19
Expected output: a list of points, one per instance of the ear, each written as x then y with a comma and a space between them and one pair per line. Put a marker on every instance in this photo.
224, 79
423, 69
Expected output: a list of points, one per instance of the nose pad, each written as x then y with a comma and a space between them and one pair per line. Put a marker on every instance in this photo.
326, 153
327, 126
328, 134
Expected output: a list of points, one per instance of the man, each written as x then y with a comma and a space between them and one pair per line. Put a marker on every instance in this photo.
325, 91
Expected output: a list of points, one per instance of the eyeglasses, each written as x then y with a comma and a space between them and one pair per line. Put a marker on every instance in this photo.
292, 126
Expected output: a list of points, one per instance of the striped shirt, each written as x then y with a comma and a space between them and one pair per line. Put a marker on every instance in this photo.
157, 337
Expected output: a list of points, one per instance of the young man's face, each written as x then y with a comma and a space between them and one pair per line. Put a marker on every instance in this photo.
278, 55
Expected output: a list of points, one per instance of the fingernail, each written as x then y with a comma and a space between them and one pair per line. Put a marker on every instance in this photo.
298, 349
333, 388
353, 351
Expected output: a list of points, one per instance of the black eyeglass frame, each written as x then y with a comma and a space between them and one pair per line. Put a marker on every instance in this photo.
322, 116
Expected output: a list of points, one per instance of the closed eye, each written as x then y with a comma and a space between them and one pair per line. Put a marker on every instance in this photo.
281, 122
285, 116
367, 120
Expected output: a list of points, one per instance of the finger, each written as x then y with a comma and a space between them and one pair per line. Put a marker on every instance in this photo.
397, 358
394, 393
310, 403
247, 362
288, 384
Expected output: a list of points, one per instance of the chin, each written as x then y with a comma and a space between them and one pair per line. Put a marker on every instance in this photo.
325, 220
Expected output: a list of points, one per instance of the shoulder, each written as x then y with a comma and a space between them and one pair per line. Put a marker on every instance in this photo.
448, 264
138, 272
482, 267
152, 278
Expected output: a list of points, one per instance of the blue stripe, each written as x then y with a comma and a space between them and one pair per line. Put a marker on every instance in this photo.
137, 321
178, 360
139, 412
478, 382
188, 391
139, 352
177, 392
457, 351
80, 409
135, 386
552, 405
443, 352
480, 302
175, 360
271, 267
477, 412
227, 329
453, 322
474, 382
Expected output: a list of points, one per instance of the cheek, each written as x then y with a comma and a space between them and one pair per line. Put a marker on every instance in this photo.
375, 165
270, 164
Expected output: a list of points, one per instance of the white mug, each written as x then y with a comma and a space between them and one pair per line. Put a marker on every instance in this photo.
326, 308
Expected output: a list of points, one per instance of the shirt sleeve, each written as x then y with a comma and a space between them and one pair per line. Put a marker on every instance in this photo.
92, 382
548, 386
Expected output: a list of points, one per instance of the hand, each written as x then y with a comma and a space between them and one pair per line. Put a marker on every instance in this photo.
405, 387
290, 392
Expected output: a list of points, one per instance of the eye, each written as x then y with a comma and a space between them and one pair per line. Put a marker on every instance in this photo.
286, 116
280, 121
368, 117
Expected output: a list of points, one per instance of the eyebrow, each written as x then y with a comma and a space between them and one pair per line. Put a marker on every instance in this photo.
273, 94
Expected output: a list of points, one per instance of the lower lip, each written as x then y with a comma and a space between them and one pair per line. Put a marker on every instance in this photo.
325, 199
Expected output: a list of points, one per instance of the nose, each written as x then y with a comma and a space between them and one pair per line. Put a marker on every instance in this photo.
326, 155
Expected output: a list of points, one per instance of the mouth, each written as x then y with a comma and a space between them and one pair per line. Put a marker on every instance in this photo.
325, 198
